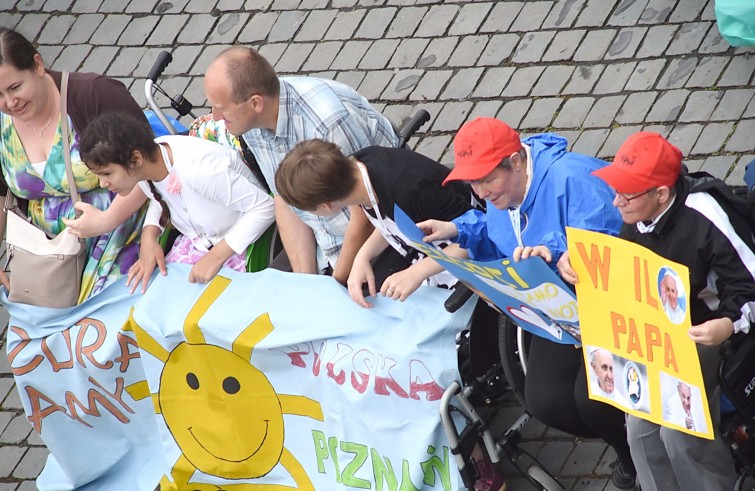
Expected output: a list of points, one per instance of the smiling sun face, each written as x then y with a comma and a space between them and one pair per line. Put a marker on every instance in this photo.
222, 411
208, 393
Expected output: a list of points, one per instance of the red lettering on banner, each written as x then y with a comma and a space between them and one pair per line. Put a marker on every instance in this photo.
56, 365
88, 350
37, 413
25, 340
125, 343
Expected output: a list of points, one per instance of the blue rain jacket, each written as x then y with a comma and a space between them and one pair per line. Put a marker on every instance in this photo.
562, 193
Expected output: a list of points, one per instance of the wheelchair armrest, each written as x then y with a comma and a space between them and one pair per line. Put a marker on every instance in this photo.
458, 298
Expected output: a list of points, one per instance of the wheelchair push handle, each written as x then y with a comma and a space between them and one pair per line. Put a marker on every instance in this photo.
415, 123
162, 61
458, 298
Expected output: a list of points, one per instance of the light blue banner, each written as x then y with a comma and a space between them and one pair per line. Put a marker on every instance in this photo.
528, 291
263, 378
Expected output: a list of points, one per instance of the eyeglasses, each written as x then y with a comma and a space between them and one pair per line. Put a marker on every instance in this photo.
629, 199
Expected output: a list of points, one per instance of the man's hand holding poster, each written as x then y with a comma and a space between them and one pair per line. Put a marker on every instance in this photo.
529, 292
634, 322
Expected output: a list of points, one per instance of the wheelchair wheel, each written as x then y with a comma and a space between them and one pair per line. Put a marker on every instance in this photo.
260, 254
513, 343
542, 479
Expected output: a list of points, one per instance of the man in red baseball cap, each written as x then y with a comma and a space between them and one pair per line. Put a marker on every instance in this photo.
534, 188
690, 220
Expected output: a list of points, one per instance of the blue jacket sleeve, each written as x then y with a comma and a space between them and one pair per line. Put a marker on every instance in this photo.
473, 236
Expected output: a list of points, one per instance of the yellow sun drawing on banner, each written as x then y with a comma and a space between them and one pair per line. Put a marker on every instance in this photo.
223, 413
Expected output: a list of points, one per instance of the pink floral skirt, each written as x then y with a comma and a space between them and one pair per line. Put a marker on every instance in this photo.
184, 251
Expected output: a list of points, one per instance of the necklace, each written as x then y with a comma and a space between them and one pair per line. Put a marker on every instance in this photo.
41, 132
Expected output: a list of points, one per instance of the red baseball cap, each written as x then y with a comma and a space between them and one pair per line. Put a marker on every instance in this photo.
645, 160
479, 146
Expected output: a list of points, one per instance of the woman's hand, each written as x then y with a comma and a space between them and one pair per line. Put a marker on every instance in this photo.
400, 285
525, 252
437, 230
565, 270
92, 222
361, 273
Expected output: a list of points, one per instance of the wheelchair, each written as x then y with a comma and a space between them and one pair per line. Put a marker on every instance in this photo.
736, 376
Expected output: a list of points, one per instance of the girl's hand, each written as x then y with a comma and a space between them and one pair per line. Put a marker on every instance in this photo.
150, 255
205, 269
361, 273
712, 332
400, 285
525, 252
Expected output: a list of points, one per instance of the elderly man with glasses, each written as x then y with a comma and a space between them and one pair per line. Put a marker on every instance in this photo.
534, 188
681, 218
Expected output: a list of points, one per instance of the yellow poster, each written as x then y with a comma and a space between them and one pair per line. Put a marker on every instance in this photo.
634, 318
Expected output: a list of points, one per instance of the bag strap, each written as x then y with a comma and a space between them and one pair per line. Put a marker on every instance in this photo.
66, 138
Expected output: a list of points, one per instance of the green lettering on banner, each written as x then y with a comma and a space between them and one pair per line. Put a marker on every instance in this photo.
433, 464
360, 457
333, 446
383, 469
406, 478
321, 451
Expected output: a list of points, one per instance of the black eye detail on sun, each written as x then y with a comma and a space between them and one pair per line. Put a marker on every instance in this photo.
192, 381
231, 385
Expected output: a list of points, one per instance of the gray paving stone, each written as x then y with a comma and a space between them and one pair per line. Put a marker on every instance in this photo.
750, 111
138, 31
541, 113
174, 6
99, 59
72, 56
742, 140
668, 106
677, 72
645, 75
12, 487
468, 51
434, 146
501, 17
700, 105
732, 105
83, 28
226, 5
125, 63
398, 113
595, 13
684, 136
285, 4
718, 166
492, 82
615, 77
379, 53
56, 29
345, 24
110, 29
738, 72
184, 59
603, 112
573, 112
708, 12
31, 464
167, 30
111, 6
522, 81
583, 79
431, 84
662, 129
611, 146
498, 49
438, 52
590, 141
553, 454
462, 84
9, 459
737, 173
322, 55
403, 84
553, 80
452, 116
582, 460
228, 27
688, 38
350, 56
352, 78
86, 7
531, 16
564, 45
486, 109
257, 28
437, 20
627, 13
197, 23
707, 71
563, 14
657, 11
375, 23
31, 25
316, 25
595, 45
286, 25
686, 10
406, 22
657, 40
469, 18
513, 111
293, 58
713, 42
532, 47
374, 83
626, 43
16, 431
712, 138
27, 486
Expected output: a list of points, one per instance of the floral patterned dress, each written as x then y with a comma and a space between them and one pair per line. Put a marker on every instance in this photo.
110, 255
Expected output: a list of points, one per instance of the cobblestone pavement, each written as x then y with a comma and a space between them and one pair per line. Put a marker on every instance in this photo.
593, 71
